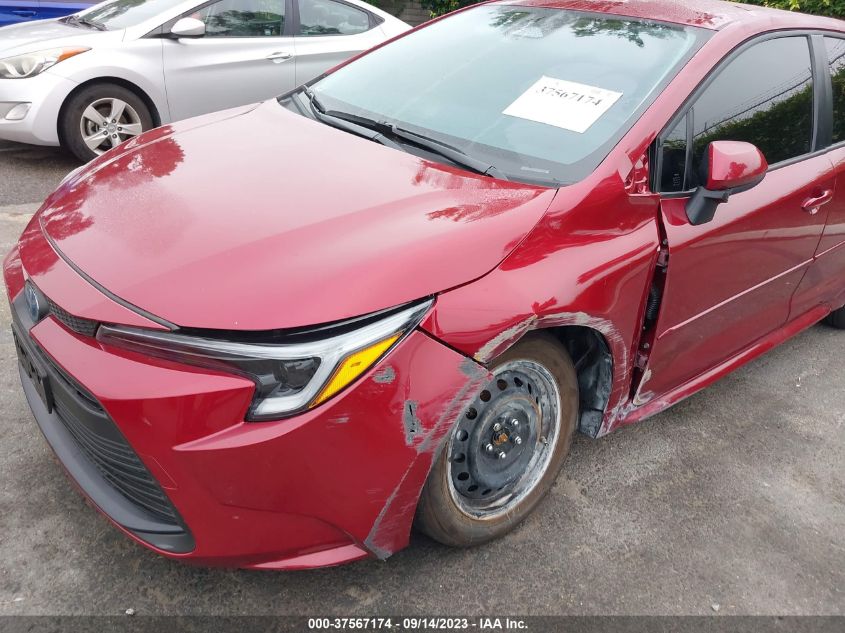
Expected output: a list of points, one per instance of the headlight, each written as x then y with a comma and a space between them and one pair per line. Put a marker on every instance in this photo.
289, 377
31, 64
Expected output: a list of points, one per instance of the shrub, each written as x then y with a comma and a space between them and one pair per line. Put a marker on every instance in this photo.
835, 8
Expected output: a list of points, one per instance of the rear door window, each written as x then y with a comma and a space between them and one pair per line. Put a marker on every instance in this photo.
326, 17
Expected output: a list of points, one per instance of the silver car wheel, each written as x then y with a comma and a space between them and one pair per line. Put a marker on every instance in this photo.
106, 123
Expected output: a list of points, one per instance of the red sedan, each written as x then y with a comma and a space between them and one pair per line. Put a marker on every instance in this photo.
279, 336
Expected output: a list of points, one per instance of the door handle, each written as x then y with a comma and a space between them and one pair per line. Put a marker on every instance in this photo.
279, 57
812, 205
24, 14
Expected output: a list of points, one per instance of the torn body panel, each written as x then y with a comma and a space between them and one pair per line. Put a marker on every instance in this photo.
590, 269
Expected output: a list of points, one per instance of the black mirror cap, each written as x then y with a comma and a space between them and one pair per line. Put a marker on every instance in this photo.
701, 208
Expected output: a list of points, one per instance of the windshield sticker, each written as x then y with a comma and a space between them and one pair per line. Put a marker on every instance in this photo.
564, 104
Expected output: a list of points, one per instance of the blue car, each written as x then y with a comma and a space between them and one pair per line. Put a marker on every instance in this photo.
14, 11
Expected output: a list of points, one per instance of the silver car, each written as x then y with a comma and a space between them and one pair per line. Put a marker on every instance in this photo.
91, 80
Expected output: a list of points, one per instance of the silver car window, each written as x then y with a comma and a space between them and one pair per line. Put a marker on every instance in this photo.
325, 17
243, 18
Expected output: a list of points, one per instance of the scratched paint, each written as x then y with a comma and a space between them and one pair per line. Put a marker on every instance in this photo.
412, 423
385, 375
403, 499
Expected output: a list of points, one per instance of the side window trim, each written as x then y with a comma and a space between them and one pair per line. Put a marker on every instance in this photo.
296, 26
688, 107
832, 35
823, 89
690, 120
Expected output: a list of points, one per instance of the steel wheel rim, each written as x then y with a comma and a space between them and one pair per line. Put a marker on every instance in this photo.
523, 399
106, 123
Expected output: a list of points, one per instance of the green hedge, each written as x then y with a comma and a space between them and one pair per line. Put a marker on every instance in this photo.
835, 8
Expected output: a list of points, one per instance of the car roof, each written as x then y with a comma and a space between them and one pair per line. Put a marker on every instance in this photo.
709, 14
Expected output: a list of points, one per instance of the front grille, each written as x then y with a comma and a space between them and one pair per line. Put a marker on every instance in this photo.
120, 466
105, 447
86, 327
89, 443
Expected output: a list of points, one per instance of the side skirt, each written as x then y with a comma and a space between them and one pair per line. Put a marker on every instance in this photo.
760, 347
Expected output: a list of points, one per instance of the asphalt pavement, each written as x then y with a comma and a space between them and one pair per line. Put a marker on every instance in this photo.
732, 502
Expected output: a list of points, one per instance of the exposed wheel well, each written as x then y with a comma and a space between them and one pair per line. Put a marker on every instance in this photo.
594, 365
110, 80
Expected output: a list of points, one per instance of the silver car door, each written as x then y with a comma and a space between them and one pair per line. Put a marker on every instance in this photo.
246, 55
329, 32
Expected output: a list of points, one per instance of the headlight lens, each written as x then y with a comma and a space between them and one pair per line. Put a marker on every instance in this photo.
31, 64
289, 378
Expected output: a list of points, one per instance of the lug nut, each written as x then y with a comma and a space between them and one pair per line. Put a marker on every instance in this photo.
515, 422
497, 427
489, 448
502, 455
517, 440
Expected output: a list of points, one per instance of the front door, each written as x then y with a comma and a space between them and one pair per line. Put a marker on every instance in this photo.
729, 282
245, 56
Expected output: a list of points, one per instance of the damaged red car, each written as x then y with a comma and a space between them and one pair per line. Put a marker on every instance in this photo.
279, 336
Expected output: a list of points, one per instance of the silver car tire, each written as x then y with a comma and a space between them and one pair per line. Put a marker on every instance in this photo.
100, 117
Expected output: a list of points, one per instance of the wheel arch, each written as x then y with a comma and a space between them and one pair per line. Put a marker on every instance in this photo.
593, 359
592, 355
598, 347
123, 83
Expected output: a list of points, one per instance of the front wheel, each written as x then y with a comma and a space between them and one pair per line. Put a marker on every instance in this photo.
505, 451
100, 117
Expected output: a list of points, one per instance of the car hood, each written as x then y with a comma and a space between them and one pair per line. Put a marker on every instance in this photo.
259, 219
39, 35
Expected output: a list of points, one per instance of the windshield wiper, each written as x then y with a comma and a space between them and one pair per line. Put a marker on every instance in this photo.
344, 124
344, 120
450, 153
75, 19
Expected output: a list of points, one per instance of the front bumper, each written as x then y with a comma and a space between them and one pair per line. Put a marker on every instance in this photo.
332, 485
46, 92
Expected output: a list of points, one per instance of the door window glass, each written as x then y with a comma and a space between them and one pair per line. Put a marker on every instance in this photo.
836, 55
763, 96
324, 17
243, 18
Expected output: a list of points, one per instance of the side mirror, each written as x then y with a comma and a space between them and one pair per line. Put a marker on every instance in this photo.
188, 27
728, 167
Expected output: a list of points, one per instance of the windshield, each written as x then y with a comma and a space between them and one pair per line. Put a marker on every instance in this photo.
542, 94
121, 14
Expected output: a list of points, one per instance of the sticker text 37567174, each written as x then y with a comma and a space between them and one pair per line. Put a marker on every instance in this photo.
564, 104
